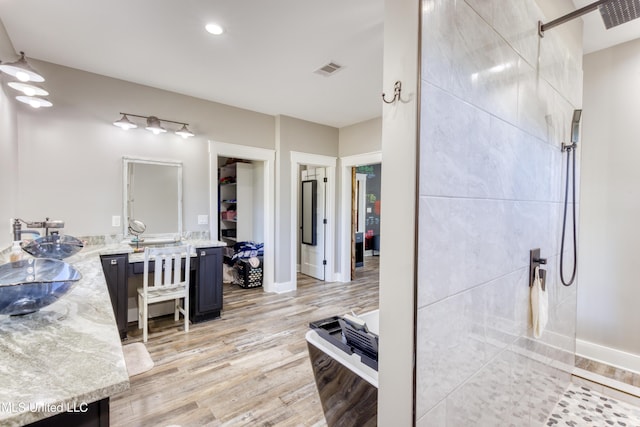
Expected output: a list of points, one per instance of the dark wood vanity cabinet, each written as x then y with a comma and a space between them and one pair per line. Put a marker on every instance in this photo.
205, 287
116, 269
205, 293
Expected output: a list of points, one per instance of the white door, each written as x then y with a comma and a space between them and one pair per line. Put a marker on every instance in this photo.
312, 257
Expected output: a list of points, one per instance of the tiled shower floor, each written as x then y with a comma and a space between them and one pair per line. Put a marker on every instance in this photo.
580, 406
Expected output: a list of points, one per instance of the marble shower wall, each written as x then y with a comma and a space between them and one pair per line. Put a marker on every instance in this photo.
496, 105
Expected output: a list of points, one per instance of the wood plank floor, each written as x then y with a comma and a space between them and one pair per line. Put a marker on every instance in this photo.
249, 368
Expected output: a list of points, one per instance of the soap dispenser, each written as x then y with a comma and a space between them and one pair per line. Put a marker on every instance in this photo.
16, 252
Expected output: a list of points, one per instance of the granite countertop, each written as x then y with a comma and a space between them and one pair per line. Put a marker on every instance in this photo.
66, 354
69, 353
196, 243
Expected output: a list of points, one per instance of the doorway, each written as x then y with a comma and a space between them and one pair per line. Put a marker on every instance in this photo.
264, 177
312, 220
353, 213
365, 218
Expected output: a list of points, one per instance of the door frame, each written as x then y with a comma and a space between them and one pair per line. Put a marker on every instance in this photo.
217, 149
329, 163
346, 163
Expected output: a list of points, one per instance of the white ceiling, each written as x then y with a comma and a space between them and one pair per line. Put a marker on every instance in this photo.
264, 62
597, 37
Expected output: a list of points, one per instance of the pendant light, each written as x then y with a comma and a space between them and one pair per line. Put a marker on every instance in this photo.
21, 70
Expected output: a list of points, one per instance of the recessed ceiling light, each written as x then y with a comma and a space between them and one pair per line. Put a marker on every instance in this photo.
214, 29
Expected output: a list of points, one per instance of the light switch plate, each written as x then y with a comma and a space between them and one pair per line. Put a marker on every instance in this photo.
203, 219
115, 221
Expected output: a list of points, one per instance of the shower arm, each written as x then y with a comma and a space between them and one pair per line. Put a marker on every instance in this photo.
569, 16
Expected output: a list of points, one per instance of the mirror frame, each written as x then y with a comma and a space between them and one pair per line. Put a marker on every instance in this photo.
126, 161
309, 189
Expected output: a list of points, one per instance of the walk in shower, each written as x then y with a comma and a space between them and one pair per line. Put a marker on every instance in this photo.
497, 104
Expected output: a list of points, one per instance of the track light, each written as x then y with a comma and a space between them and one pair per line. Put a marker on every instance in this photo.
154, 124
21, 70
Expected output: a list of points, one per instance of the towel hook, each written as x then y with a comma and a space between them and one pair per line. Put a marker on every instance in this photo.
397, 88
536, 261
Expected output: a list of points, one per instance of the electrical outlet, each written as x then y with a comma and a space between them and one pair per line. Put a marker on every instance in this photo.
203, 219
115, 221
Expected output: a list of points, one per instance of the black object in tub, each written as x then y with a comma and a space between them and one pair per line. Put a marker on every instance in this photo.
364, 344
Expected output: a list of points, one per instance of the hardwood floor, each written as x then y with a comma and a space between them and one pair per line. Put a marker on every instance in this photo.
251, 367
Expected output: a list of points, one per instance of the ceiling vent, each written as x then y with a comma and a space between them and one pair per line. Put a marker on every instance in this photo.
329, 69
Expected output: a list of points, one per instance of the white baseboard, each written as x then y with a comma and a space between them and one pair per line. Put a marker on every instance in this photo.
280, 288
610, 356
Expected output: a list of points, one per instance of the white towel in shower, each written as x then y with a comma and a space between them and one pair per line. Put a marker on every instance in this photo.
539, 305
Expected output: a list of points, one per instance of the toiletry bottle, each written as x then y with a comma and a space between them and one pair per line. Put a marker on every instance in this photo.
16, 252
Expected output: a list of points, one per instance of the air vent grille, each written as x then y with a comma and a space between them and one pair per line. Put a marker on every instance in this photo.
328, 69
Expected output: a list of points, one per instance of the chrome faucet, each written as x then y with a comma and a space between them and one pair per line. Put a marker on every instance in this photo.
46, 224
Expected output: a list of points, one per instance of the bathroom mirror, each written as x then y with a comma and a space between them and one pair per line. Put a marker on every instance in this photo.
308, 212
152, 193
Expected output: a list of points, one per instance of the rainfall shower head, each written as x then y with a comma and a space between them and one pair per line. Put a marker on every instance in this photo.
616, 12
575, 126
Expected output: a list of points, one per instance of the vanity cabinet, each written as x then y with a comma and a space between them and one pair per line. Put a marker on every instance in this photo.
205, 293
115, 269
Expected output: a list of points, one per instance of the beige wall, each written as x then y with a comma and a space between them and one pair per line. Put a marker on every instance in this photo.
610, 206
361, 138
305, 137
8, 166
71, 154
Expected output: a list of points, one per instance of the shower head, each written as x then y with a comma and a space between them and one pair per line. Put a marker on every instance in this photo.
575, 126
614, 13
617, 12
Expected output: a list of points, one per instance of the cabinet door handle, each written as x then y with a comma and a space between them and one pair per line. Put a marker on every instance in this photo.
114, 262
203, 253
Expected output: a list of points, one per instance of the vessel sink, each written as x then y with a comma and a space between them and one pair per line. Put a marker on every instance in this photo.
28, 285
53, 246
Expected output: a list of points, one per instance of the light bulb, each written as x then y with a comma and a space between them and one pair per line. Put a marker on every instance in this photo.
34, 104
29, 92
22, 76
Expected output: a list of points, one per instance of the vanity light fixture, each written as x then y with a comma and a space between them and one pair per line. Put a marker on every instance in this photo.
184, 132
125, 123
34, 101
28, 89
154, 125
21, 70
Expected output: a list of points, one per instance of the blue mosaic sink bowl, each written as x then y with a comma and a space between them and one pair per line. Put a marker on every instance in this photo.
53, 246
28, 285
